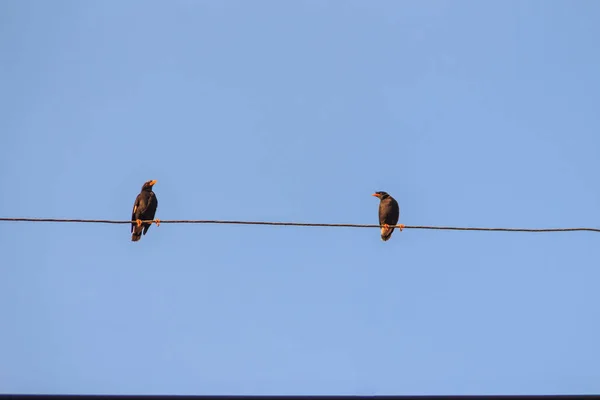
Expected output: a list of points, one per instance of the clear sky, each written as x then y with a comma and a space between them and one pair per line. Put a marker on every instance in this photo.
469, 113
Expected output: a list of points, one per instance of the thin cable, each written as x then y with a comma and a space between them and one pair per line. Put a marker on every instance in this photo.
187, 221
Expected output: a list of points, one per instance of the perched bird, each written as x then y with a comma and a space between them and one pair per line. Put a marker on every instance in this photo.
389, 213
144, 209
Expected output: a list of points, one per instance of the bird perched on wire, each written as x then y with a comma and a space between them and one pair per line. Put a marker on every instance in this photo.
389, 213
144, 209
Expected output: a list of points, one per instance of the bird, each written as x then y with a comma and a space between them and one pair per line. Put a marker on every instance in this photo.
144, 209
389, 213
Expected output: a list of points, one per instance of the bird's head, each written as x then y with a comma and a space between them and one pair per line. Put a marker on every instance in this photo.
148, 185
381, 195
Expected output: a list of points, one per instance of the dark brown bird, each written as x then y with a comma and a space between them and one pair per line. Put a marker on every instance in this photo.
389, 213
144, 209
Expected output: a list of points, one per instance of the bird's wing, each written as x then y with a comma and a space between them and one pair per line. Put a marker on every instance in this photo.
383, 211
394, 212
389, 212
136, 206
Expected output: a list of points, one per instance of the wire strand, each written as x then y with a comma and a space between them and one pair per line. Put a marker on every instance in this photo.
229, 222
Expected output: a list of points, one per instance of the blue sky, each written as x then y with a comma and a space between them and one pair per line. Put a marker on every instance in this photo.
469, 113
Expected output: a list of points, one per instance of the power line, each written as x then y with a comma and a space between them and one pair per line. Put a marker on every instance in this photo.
187, 221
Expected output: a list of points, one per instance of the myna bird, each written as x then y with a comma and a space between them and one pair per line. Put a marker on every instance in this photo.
144, 209
389, 213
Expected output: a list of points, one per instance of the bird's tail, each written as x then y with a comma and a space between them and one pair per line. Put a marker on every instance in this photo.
386, 233
137, 234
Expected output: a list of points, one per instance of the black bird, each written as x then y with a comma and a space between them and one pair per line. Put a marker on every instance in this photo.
389, 213
144, 209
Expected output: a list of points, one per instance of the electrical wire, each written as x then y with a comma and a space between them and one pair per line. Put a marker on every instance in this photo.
230, 222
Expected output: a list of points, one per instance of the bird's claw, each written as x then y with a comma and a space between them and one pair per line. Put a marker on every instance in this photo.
138, 222
157, 222
386, 226
401, 226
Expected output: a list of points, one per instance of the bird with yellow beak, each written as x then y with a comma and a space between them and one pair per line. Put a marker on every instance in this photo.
389, 213
144, 209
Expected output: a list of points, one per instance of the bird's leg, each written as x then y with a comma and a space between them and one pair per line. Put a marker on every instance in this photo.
157, 222
401, 226
386, 226
138, 222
